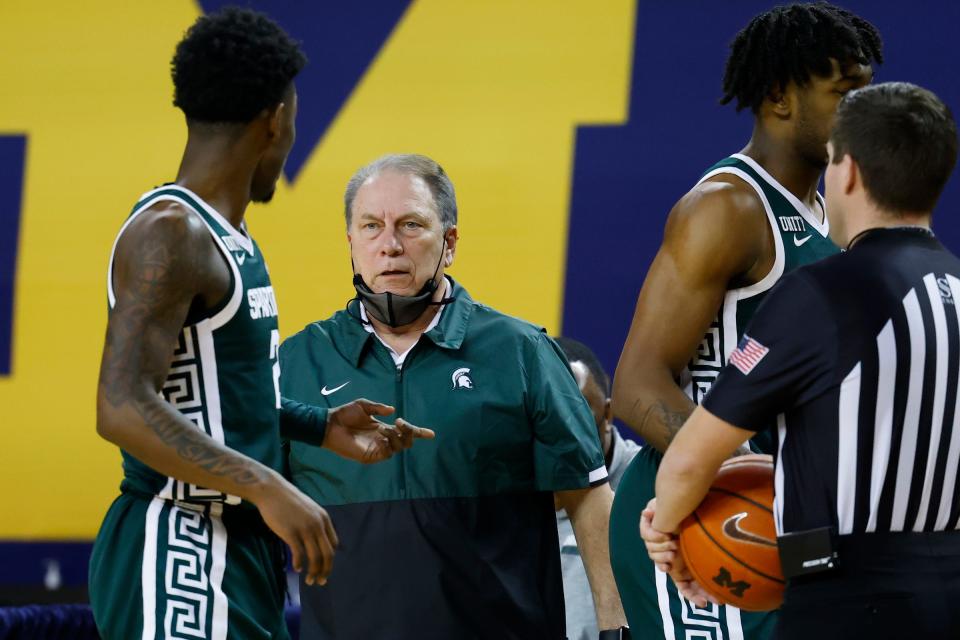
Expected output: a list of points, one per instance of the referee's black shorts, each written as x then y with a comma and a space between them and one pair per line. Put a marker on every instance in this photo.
888, 585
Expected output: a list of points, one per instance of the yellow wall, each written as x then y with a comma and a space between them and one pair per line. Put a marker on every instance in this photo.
89, 84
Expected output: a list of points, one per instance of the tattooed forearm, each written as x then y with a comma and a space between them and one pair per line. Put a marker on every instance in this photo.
195, 447
667, 422
664, 420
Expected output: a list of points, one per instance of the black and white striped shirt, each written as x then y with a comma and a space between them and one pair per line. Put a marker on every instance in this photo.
854, 361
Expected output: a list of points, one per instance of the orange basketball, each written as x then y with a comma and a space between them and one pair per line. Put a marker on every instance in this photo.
730, 542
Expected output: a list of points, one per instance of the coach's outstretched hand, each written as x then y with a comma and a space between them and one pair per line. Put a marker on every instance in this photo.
302, 524
353, 432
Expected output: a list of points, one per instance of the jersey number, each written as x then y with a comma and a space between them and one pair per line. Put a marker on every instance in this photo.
275, 356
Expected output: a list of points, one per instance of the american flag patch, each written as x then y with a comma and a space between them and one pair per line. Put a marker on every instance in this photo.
748, 354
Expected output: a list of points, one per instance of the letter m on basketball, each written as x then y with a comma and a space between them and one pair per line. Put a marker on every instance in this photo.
725, 580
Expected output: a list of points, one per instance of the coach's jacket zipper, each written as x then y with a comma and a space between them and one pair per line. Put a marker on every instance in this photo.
399, 412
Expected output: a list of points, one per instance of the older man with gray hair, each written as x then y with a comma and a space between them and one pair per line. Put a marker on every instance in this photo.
457, 538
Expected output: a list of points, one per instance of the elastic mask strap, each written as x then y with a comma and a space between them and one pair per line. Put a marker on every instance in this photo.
356, 316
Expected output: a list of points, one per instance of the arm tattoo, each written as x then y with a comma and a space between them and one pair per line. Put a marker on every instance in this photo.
149, 303
193, 446
668, 421
155, 284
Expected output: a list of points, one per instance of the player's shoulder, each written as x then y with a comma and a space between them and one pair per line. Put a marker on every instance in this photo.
721, 216
168, 222
719, 201
719, 226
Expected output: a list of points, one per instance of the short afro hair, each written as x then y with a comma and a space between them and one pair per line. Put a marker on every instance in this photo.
233, 64
791, 43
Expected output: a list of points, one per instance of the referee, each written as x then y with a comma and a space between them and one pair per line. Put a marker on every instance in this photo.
853, 361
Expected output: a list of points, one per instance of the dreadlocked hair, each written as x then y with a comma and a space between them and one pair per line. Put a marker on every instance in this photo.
791, 43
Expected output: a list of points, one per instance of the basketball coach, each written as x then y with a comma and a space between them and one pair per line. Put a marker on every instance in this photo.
853, 361
459, 540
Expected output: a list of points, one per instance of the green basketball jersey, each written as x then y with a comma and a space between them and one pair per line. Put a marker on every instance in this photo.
799, 237
224, 375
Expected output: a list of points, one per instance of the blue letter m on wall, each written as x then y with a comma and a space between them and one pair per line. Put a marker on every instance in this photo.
12, 155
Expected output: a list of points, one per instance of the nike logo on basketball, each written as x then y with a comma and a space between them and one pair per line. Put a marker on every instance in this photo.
327, 392
732, 529
801, 241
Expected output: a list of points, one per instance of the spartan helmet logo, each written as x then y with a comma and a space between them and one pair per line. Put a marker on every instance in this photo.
461, 380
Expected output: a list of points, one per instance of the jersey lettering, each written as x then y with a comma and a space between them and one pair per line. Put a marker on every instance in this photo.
275, 356
946, 294
262, 303
792, 223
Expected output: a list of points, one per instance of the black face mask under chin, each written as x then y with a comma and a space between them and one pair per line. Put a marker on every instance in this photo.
396, 310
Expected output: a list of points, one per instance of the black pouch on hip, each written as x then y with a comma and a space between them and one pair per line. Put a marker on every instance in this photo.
804, 553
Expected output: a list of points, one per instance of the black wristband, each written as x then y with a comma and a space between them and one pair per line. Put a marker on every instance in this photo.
303, 422
623, 633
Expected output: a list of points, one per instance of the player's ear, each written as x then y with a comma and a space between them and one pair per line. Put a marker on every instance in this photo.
779, 101
274, 117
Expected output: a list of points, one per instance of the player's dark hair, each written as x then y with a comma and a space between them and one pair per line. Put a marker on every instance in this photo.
904, 141
576, 350
791, 43
233, 64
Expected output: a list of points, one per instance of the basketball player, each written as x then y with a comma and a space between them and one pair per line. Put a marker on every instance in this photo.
752, 217
189, 382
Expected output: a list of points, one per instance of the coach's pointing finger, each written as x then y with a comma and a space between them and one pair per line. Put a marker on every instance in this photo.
409, 432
